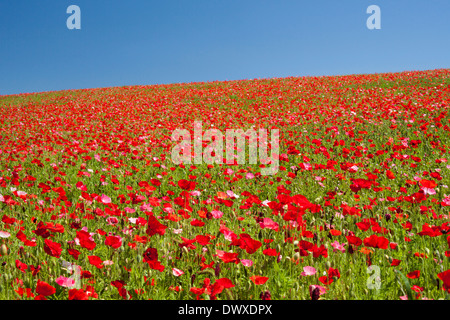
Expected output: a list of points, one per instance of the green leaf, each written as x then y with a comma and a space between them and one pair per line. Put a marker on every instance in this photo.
406, 284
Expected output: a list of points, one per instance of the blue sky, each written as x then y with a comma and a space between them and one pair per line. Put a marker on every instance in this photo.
144, 42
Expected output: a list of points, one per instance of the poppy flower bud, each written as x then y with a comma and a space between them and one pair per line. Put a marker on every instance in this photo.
296, 255
314, 293
217, 269
427, 251
185, 250
315, 238
328, 264
296, 243
350, 249
265, 295
387, 216
4, 250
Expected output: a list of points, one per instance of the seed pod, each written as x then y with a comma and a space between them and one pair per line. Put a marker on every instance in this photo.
4, 250
278, 247
437, 254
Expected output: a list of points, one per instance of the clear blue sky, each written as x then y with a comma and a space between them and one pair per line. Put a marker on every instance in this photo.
143, 42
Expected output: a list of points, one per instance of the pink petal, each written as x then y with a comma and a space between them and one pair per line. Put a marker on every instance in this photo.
217, 214
177, 272
4, 234
105, 199
65, 282
129, 210
247, 262
308, 271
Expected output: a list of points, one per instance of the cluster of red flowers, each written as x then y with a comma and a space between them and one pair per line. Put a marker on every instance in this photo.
87, 178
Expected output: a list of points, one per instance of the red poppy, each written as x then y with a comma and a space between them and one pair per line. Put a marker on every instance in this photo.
430, 184
203, 240
113, 241
74, 253
320, 251
270, 252
334, 273
21, 266
358, 184
78, 294
363, 225
197, 223
52, 248
354, 240
219, 285
445, 277
227, 257
414, 274
155, 182
96, 261
44, 289
186, 185
248, 244
375, 241
259, 279
305, 245
85, 240
151, 257
335, 232
326, 280
390, 174
155, 227
395, 262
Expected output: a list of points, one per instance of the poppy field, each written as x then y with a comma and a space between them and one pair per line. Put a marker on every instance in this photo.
93, 207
